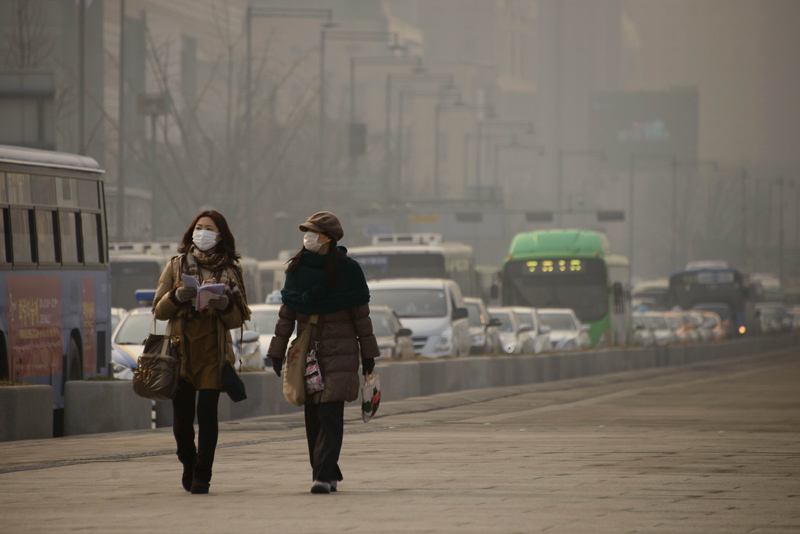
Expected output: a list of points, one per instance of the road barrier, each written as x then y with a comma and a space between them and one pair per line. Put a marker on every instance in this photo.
109, 406
26, 412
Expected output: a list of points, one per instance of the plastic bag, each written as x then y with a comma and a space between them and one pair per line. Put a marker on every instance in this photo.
370, 396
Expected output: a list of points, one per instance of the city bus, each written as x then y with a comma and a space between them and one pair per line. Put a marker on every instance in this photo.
54, 274
724, 290
418, 256
571, 269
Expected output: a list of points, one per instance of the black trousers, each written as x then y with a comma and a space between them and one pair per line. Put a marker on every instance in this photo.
324, 432
183, 412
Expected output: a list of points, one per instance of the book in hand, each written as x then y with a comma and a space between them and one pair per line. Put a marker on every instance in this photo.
205, 292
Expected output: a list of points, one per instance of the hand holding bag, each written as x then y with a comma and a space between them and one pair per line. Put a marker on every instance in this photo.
370, 396
294, 389
158, 371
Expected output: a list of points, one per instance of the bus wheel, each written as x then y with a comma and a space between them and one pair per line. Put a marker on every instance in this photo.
75, 367
4, 368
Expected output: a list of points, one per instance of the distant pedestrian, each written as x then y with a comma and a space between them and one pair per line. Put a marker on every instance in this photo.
322, 279
208, 254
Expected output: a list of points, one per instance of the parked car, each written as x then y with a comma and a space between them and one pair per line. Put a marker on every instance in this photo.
515, 338
393, 339
263, 318
539, 332
779, 315
484, 332
432, 308
247, 349
662, 333
643, 336
699, 320
681, 330
691, 326
768, 318
566, 330
724, 312
715, 325
117, 314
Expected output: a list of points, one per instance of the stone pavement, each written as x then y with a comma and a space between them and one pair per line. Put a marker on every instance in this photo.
712, 447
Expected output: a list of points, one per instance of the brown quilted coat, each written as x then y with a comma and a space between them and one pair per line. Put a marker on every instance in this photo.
338, 336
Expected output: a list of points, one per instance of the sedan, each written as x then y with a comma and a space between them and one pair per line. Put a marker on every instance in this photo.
394, 341
515, 338
566, 330
539, 332
484, 331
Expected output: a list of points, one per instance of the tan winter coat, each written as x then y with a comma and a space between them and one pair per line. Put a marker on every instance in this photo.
196, 367
339, 336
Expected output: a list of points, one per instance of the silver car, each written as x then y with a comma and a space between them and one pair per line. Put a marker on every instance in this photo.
539, 332
515, 338
566, 330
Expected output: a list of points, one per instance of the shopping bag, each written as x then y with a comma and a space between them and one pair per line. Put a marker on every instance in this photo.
370, 396
294, 387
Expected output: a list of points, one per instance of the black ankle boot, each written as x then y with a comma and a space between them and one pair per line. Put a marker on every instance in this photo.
188, 476
201, 479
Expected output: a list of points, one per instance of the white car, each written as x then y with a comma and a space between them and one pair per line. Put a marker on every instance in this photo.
515, 337
566, 330
432, 308
664, 335
539, 332
263, 318
127, 343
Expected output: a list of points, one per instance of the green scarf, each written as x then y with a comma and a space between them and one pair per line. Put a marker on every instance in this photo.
307, 290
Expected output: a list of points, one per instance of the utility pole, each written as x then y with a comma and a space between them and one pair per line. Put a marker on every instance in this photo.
780, 230
744, 218
81, 76
674, 246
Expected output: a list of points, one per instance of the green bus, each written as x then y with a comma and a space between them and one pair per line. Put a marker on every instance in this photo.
571, 269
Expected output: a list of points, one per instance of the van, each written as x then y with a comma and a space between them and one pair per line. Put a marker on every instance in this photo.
432, 308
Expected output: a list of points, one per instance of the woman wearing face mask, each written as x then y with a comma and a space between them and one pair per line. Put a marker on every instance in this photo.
208, 253
321, 279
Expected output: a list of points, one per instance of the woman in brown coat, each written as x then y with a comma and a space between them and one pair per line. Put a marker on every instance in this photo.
208, 254
322, 280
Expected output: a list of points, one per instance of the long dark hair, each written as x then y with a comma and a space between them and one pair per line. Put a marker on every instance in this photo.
227, 243
331, 262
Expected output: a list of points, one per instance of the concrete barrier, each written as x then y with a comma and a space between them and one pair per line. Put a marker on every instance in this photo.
92, 406
26, 412
107, 406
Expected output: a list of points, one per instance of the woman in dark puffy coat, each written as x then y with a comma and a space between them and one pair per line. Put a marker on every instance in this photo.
321, 279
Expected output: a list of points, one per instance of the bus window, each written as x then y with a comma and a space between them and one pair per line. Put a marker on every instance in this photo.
65, 192
43, 190
21, 235
69, 237
19, 188
45, 236
3, 195
87, 195
91, 238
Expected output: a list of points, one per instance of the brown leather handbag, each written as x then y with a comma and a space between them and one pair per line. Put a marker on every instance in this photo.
158, 371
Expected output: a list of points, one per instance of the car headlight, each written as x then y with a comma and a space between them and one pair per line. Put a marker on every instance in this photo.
478, 339
508, 348
445, 342
118, 368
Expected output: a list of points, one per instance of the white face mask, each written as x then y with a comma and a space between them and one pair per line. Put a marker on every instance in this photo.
311, 242
204, 239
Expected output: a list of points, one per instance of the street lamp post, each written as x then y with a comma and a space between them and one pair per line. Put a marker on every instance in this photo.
443, 79
457, 106
416, 94
562, 153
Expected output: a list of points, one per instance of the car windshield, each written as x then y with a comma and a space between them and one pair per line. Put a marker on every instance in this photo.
264, 321
475, 316
526, 318
506, 324
558, 321
657, 322
135, 328
411, 303
381, 325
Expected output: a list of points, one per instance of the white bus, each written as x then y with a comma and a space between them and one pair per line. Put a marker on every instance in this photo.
418, 256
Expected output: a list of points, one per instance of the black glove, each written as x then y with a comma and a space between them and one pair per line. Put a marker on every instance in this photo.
277, 363
367, 365
185, 294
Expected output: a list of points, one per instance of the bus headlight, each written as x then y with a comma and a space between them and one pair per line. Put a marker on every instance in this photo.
742, 329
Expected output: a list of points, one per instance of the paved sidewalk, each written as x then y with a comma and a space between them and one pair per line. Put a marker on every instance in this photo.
708, 448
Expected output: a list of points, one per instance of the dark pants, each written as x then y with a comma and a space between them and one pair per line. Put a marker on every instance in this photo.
325, 431
183, 411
